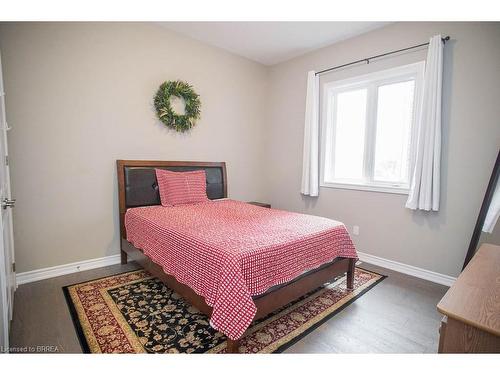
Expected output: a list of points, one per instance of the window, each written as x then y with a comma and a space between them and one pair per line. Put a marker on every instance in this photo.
368, 126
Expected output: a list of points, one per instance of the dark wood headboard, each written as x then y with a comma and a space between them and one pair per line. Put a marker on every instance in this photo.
137, 184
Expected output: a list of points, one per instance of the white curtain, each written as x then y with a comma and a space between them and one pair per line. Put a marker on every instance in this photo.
310, 161
424, 186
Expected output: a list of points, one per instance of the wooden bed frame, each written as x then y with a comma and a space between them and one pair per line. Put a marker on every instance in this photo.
266, 303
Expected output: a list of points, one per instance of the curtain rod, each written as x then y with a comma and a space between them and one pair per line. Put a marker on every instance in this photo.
367, 59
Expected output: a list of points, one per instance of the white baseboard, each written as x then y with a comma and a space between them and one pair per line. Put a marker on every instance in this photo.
47, 273
435, 277
65, 269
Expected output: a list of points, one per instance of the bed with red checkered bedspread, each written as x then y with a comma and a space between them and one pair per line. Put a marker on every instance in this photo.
228, 251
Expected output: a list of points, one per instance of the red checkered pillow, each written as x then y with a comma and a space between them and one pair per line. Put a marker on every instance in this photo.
182, 187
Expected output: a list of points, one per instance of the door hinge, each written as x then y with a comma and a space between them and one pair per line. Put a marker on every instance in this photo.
6, 159
14, 267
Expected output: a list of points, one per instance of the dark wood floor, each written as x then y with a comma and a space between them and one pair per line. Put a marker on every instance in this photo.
396, 316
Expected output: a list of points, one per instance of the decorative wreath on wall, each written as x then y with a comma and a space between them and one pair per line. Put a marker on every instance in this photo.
173, 120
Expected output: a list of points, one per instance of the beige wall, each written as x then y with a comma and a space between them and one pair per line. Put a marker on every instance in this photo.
471, 137
79, 96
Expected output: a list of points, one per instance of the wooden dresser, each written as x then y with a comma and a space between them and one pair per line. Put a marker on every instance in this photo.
471, 307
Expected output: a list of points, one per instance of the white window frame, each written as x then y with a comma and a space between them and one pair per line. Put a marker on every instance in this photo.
370, 81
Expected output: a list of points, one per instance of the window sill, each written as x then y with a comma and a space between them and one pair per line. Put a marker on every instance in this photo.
374, 188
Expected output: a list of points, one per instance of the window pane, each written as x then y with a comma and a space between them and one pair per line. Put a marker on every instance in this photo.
350, 134
392, 144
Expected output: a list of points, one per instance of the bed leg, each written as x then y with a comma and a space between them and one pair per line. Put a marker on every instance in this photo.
350, 274
123, 257
233, 346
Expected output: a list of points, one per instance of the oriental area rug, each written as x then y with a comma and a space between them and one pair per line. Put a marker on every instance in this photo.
134, 312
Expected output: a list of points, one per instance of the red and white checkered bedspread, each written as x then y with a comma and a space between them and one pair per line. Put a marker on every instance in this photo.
228, 251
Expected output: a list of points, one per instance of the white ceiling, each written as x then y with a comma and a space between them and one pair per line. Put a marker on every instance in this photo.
271, 42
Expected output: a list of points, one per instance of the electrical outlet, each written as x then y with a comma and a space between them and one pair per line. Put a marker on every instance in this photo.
355, 230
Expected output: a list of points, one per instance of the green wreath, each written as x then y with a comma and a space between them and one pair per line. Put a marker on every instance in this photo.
164, 110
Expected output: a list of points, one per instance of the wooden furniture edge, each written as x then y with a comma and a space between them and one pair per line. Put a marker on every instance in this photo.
467, 321
443, 310
460, 338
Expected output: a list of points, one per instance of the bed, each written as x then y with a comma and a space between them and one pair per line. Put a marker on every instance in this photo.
233, 261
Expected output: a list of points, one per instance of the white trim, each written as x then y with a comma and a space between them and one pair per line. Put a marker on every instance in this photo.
370, 82
386, 76
367, 187
65, 269
435, 277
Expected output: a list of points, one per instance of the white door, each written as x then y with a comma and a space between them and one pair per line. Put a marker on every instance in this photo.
7, 269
